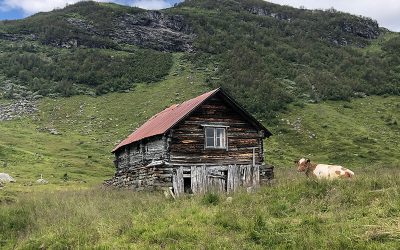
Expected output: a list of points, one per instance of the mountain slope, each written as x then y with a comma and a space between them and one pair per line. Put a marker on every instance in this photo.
266, 55
361, 134
280, 62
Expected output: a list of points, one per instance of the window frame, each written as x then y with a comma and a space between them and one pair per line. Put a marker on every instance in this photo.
215, 129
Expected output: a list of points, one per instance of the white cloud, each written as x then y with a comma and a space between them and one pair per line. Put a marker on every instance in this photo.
34, 6
151, 4
386, 12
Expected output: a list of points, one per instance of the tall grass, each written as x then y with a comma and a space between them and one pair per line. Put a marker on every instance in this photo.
293, 213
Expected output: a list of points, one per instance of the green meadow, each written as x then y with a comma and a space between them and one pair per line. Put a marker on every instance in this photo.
292, 213
74, 211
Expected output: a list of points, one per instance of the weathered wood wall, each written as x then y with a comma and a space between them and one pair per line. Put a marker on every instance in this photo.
141, 153
187, 138
216, 178
149, 177
202, 178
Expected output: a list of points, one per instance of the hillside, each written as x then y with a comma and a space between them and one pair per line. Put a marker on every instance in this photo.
75, 81
75, 135
71, 86
277, 54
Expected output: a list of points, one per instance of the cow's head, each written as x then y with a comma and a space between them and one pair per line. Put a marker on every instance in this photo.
302, 164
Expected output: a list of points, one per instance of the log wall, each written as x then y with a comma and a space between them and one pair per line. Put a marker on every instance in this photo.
187, 138
141, 153
139, 178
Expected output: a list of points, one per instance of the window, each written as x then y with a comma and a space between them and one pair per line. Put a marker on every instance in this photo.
215, 137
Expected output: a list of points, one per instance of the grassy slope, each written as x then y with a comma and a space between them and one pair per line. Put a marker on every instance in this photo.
89, 127
361, 133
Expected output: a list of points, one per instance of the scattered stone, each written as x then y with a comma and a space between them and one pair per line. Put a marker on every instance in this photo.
360, 94
23, 102
54, 131
6, 178
41, 180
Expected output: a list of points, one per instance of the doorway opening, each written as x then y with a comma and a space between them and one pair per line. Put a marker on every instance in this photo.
225, 173
187, 185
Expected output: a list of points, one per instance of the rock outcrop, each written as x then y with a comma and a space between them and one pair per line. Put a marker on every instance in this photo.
365, 28
17, 109
155, 30
22, 102
267, 12
151, 29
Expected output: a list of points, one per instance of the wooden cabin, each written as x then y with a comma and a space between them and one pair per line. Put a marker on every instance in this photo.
209, 143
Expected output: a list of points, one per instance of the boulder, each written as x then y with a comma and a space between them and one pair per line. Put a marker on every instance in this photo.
6, 178
41, 180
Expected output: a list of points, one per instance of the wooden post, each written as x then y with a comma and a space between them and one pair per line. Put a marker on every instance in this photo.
177, 179
254, 157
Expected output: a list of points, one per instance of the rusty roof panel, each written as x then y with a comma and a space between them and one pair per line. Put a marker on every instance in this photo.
166, 119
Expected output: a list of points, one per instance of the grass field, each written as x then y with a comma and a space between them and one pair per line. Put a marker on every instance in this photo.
72, 211
293, 213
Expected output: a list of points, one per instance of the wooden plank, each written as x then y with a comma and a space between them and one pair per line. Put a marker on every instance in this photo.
217, 179
233, 178
203, 174
175, 184
177, 181
193, 178
256, 176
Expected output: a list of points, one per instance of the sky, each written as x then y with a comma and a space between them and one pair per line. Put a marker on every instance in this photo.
386, 12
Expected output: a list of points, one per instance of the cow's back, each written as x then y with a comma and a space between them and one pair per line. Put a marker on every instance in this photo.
325, 171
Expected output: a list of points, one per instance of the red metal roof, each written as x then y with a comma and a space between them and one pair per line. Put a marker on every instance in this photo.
166, 119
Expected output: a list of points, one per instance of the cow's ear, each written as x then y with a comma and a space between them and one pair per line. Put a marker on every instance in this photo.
308, 160
295, 161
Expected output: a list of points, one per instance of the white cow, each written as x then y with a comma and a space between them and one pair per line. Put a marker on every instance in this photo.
323, 171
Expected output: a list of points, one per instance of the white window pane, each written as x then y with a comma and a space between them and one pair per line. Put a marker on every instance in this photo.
218, 142
220, 137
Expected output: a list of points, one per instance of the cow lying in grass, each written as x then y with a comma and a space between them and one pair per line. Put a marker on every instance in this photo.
323, 171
